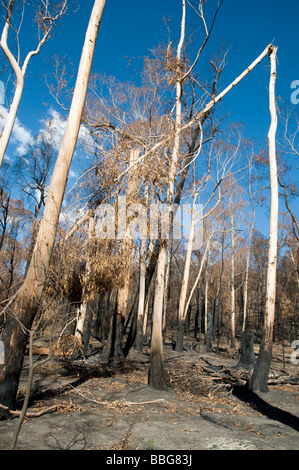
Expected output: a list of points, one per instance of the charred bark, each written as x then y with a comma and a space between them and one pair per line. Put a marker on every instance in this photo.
156, 378
114, 346
210, 327
247, 356
15, 339
180, 336
259, 380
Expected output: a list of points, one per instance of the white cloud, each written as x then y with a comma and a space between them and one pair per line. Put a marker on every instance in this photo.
53, 129
72, 174
21, 137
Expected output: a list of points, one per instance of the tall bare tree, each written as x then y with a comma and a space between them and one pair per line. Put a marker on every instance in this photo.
156, 375
22, 310
259, 379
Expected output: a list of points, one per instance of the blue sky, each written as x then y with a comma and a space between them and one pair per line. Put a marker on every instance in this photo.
130, 28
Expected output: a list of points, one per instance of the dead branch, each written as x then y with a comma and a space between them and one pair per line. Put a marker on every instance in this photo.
284, 380
123, 402
30, 414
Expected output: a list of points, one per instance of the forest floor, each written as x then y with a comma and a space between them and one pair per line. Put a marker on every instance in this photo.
93, 406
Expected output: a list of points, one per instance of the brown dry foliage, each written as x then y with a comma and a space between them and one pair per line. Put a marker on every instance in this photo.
68, 274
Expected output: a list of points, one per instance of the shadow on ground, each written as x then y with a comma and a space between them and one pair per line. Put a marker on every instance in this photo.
260, 405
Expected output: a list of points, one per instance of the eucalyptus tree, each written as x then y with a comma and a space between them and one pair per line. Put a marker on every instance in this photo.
46, 15
22, 309
156, 376
259, 379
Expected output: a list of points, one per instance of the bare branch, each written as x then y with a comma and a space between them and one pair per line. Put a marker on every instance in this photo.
208, 34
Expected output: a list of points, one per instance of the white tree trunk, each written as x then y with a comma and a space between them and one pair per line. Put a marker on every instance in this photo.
144, 329
4, 138
206, 299
259, 378
81, 316
245, 308
166, 288
141, 296
202, 262
158, 305
26, 301
232, 283
183, 295
156, 376
48, 226
273, 231
82, 308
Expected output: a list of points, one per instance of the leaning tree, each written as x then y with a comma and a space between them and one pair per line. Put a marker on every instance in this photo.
22, 309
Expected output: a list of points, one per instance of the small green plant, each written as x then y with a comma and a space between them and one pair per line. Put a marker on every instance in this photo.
150, 444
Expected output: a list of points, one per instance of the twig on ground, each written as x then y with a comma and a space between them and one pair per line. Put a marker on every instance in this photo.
30, 414
127, 403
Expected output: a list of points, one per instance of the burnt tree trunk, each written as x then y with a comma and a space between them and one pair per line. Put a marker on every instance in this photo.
210, 326
114, 345
247, 356
156, 379
14, 340
259, 379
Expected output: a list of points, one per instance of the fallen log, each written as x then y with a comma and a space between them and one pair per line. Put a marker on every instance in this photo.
38, 351
46, 351
283, 380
